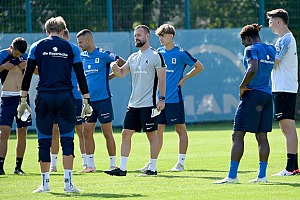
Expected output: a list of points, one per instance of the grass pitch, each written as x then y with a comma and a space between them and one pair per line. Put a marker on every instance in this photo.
207, 161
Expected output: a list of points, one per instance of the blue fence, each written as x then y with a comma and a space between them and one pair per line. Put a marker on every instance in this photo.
210, 96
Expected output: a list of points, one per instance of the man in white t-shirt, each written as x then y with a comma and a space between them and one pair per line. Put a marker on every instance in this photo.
285, 86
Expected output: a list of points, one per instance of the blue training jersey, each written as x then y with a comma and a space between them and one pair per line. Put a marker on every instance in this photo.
96, 69
54, 57
76, 93
4, 57
265, 55
176, 60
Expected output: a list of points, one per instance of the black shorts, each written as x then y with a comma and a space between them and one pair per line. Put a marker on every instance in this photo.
172, 114
138, 118
284, 105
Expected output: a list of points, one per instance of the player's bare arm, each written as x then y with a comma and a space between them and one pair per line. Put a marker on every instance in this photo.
276, 63
161, 74
120, 72
120, 63
6, 66
252, 68
198, 67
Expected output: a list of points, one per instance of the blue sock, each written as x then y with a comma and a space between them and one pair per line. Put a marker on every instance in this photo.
233, 169
262, 169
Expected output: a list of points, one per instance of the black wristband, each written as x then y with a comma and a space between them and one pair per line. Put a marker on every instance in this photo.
162, 98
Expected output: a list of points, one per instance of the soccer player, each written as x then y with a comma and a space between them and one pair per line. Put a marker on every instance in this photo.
254, 112
285, 86
96, 64
147, 67
176, 60
55, 58
78, 127
12, 65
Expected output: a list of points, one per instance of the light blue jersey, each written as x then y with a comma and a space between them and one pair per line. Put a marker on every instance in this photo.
265, 55
96, 69
75, 91
176, 60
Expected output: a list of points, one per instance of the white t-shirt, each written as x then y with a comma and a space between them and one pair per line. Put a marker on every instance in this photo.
144, 80
285, 76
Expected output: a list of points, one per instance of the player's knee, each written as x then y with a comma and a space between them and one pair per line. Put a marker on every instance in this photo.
67, 144
44, 149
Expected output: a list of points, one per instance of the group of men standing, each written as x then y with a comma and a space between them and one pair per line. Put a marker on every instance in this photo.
62, 68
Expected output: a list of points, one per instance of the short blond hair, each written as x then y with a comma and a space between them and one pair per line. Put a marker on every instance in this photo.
55, 25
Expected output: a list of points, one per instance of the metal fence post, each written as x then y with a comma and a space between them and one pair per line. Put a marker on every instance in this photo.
261, 12
187, 14
28, 17
109, 16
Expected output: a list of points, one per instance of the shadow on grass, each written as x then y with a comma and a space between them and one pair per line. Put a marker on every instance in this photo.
98, 195
284, 183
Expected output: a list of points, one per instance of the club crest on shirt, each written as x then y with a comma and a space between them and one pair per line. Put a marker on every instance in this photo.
147, 62
97, 60
173, 60
55, 49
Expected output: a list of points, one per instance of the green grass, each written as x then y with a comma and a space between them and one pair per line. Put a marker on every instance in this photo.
207, 161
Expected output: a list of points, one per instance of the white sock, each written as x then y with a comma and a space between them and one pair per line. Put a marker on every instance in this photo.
112, 161
90, 161
84, 159
54, 160
181, 158
152, 165
123, 163
68, 178
45, 179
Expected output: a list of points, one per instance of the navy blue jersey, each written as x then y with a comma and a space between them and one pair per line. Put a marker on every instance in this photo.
96, 69
54, 57
75, 91
265, 55
4, 57
176, 60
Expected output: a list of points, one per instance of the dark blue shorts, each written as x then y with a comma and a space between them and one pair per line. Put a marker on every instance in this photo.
284, 105
58, 107
138, 118
172, 114
254, 112
8, 111
102, 110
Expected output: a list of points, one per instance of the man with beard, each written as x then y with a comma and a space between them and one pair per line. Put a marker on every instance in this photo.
146, 67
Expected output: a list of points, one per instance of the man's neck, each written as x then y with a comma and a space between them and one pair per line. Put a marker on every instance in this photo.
170, 46
283, 31
144, 47
91, 49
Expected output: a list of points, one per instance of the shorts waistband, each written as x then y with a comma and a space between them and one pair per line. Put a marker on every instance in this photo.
9, 94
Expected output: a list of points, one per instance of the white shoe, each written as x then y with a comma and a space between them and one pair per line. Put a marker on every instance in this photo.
53, 169
143, 169
227, 180
284, 172
72, 189
41, 189
177, 168
259, 180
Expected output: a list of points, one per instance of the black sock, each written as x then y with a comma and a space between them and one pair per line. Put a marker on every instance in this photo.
296, 162
18, 163
1, 162
290, 162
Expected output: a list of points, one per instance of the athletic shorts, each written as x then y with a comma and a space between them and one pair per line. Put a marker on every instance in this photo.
102, 110
140, 118
284, 105
79, 105
254, 112
8, 111
172, 114
55, 106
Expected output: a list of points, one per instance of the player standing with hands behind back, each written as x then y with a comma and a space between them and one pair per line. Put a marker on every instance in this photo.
55, 58
285, 86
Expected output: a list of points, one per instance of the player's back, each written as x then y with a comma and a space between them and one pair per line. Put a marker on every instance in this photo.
54, 57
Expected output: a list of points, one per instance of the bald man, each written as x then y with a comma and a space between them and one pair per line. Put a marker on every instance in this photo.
96, 64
